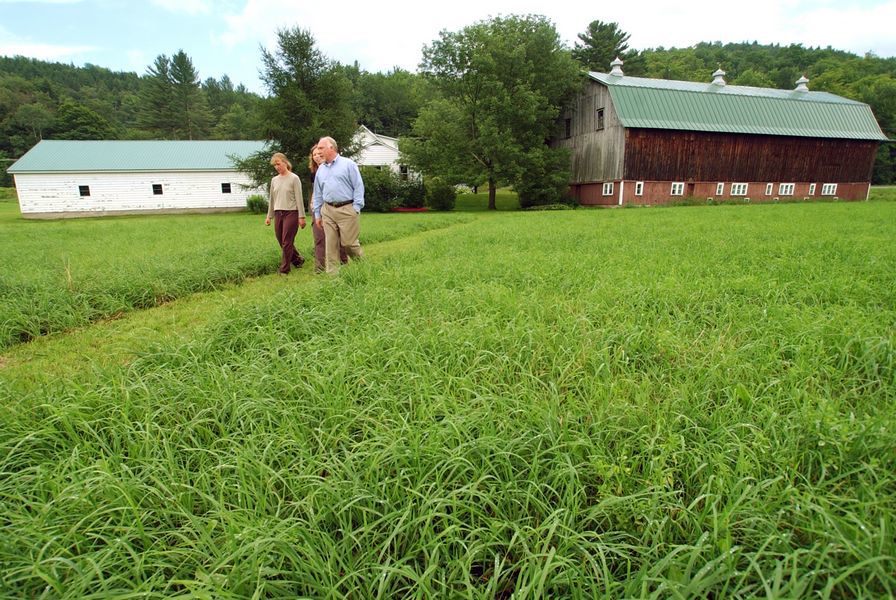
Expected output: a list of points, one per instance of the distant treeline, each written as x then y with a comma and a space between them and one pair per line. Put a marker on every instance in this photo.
45, 100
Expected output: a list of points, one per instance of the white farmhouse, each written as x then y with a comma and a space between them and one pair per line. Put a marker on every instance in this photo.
62, 178
377, 151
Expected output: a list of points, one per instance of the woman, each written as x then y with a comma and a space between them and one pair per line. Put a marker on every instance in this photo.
315, 158
288, 210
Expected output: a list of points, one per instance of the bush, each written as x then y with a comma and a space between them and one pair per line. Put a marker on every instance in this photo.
545, 179
440, 195
380, 189
411, 192
257, 203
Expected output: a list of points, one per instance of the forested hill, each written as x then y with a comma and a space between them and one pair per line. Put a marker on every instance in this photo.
46, 100
41, 99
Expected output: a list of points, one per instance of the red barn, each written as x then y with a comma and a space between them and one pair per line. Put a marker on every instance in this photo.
651, 141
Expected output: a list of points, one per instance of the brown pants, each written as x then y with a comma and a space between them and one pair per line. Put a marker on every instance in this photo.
286, 226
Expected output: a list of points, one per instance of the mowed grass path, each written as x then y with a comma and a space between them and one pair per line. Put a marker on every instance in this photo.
684, 402
56, 275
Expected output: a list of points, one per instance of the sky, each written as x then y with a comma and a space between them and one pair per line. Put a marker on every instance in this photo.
225, 37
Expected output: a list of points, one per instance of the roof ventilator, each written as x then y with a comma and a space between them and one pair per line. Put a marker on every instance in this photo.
617, 67
801, 84
718, 78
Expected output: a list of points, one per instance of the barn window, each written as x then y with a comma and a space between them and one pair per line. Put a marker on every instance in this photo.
599, 119
225, 188
811, 189
829, 189
83, 190
157, 189
608, 188
738, 189
639, 188
678, 188
769, 189
720, 188
568, 125
785, 189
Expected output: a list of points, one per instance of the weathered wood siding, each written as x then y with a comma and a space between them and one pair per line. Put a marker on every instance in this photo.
52, 194
670, 155
596, 154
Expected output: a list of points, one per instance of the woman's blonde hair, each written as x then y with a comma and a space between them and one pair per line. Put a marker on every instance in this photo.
282, 158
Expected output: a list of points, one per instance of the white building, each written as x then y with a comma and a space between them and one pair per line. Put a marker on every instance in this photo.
377, 151
62, 178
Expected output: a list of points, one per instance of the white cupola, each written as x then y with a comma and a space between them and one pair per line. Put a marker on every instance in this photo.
616, 67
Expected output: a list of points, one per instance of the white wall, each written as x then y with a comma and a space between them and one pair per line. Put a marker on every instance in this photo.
53, 193
378, 155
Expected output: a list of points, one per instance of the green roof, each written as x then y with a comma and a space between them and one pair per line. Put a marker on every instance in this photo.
68, 156
689, 106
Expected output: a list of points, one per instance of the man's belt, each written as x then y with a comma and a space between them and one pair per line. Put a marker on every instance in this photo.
338, 204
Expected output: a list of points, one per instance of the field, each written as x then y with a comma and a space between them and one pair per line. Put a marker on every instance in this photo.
668, 402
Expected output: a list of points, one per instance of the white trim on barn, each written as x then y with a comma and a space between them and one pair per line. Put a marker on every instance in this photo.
60, 179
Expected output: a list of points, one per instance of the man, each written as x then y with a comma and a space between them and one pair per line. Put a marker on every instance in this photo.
337, 202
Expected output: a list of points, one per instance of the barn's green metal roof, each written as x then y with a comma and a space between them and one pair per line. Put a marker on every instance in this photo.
689, 106
69, 156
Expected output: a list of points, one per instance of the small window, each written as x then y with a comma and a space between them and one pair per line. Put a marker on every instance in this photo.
599, 119
811, 189
568, 124
829, 189
225, 188
678, 188
738, 189
608, 188
157, 189
83, 190
769, 189
720, 189
785, 189
639, 188
403, 172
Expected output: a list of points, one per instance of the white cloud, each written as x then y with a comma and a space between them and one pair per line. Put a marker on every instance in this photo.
44, 51
14, 45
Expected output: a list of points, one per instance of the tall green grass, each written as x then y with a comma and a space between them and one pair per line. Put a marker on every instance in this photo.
693, 402
55, 275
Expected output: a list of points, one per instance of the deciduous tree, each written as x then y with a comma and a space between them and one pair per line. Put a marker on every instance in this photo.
503, 83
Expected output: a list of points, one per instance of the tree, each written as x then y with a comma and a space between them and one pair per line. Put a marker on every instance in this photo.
388, 103
77, 122
503, 83
191, 113
156, 110
310, 97
173, 104
601, 44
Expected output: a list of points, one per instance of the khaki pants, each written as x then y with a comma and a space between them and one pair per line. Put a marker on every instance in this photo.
341, 228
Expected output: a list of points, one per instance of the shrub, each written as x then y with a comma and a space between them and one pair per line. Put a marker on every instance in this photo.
545, 179
411, 192
440, 195
380, 189
257, 203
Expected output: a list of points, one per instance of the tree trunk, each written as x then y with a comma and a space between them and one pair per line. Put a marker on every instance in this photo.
492, 188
